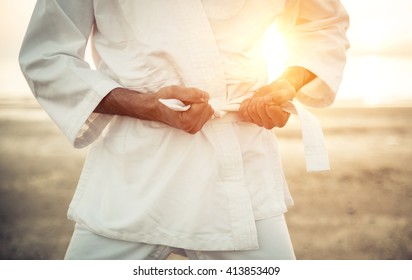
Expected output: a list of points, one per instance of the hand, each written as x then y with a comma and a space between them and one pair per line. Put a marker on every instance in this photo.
191, 120
264, 110
126, 102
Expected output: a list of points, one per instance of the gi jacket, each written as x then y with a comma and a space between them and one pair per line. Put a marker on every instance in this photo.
145, 181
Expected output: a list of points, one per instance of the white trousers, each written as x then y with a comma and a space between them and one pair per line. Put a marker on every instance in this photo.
273, 237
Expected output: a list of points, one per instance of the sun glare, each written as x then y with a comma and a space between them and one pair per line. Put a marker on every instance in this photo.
275, 52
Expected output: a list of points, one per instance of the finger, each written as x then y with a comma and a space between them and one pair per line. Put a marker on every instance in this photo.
194, 95
206, 112
262, 112
243, 110
278, 117
253, 113
186, 95
202, 120
196, 117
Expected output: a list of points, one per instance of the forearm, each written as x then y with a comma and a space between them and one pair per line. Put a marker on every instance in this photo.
125, 102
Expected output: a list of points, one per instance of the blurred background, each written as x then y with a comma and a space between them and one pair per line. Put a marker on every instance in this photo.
361, 209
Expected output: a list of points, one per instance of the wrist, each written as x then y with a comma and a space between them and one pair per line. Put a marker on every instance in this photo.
297, 77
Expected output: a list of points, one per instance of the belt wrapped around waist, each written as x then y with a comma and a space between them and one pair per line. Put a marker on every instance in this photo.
316, 154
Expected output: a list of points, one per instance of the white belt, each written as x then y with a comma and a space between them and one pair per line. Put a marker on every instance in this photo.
316, 155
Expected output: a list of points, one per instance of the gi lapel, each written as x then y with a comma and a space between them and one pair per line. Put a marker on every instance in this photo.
203, 66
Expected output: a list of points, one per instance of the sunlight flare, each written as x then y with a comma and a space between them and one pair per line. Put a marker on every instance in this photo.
275, 52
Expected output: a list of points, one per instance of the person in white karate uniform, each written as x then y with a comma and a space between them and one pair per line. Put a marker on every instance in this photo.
204, 182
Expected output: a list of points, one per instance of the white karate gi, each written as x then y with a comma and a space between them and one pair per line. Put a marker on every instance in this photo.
147, 182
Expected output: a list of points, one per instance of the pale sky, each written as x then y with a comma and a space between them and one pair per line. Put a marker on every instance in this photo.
378, 27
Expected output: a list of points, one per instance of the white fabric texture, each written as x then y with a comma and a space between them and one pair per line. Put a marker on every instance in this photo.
273, 237
144, 181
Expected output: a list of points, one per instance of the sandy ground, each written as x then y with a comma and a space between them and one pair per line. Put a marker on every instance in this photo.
361, 209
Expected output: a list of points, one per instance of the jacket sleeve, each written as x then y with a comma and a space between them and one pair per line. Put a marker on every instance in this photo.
52, 61
315, 35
